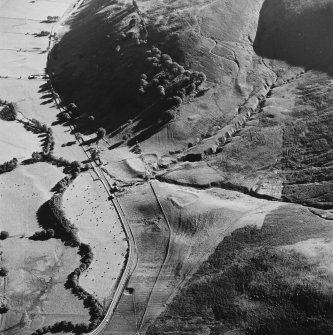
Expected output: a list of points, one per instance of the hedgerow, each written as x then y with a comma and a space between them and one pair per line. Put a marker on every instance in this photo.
62, 228
8, 166
8, 111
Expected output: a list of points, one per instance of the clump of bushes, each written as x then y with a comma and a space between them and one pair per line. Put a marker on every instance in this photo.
72, 168
8, 111
42, 33
3, 235
49, 142
43, 235
63, 326
64, 229
62, 185
36, 126
3, 308
100, 134
52, 19
73, 109
91, 118
8, 166
3, 272
170, 80
96, 310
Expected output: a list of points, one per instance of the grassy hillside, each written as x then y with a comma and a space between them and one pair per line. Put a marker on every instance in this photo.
255, 284
267, 58
99, 61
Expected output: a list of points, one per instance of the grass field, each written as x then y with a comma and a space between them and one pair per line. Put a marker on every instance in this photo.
37, 270
16, 142
86, 205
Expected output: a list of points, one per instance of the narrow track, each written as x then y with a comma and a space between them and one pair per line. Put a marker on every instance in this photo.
141, 323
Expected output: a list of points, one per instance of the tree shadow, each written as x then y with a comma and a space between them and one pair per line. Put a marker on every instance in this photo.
90, 141
44, 88
45, 216
300, 34
116, 145
46, 102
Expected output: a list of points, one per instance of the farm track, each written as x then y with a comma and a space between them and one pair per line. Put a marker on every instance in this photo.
151, 304
137, 306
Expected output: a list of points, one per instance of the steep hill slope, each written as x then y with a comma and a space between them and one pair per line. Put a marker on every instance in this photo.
273, 280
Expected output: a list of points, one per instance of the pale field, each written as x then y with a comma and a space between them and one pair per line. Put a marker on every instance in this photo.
37, 10
22, 192
15, 141
26, 94
18, 18
37, 270
87, 207
123, 164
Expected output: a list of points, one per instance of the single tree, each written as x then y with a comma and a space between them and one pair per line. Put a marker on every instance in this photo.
76, 166
161, 90
72, 107
95, 154
66, 116
176, 101
3, 235
201, 77
100, 133
155, 82
3, 308
49, 233
3, 271
36, 156
143, 83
